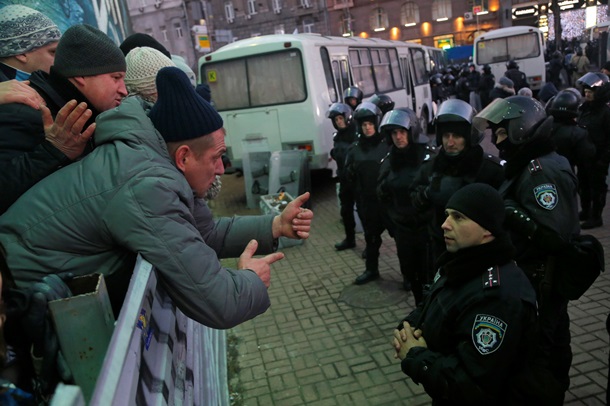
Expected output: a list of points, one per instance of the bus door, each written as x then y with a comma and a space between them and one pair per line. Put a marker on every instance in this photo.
341, 75
421, 87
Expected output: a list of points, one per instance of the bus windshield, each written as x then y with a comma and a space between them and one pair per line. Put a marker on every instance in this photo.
506, 48
257, 80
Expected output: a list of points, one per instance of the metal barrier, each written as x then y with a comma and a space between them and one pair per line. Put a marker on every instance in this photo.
157, 355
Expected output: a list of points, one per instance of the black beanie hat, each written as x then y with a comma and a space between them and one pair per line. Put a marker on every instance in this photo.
482, 204
180, 114
142, 40
84, 50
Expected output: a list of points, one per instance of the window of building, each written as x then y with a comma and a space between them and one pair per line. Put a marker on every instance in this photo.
229, 11
308, 26
178, 28
409, 14
379, 19
347, 25
276, 5
164, 33
305, 3
251, 7
441, 10
279, 29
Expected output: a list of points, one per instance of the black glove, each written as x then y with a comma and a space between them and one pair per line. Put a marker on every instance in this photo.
420, 198
38, 327
519, 221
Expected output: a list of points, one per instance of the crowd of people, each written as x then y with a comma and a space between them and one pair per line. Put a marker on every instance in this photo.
108, 152
480, 238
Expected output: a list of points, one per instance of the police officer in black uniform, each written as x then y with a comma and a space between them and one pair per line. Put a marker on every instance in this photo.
469, 340
513, 73
542, 213
400, 127
383, 101
595, 117
459, 162
362, 164
341, 116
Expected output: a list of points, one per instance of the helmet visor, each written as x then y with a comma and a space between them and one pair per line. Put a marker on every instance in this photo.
495, 112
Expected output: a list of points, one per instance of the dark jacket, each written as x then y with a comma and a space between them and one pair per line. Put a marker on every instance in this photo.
439, 178
519, 79
573, 142
397, 173
487, 83
363, 163
342, 141
595, 118
26, 156
477, 322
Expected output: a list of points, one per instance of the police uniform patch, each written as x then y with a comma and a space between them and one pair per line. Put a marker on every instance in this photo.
488, 333
546, 195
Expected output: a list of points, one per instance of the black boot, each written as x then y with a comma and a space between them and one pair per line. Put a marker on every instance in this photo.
366, 277
345, 244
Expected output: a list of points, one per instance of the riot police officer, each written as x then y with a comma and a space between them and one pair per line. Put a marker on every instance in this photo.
401, 130
459, 162
513, 73
595, 117
342, 118
362, 164
383, 101
352, 96
540, 194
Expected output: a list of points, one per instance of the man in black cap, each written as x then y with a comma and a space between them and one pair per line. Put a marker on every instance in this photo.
85, 80
469, 339
141, 191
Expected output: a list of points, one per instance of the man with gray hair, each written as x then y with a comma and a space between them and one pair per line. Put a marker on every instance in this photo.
85, 80
27, 44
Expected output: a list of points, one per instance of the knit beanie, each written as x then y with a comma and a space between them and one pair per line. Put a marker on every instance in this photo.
204, 91
24, 29
142, 40
180, 114
504, 81
86, 51
181, 63
482, 204
143, 64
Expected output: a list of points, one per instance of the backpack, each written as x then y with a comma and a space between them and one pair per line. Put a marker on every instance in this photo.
579, 266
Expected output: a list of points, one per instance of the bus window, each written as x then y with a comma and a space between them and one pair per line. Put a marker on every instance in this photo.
362, 71
419, 66
381, 67
504, 49
395, 69
344, 75
258, 80
330, 84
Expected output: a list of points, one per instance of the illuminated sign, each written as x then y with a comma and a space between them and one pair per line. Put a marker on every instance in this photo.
523, 12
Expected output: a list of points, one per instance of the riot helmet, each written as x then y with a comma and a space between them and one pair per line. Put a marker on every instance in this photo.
564, 105
340, 109
448, 79
592, 80
400, 118
436, 79
455, 116
512, 64
383, 101
520, 116
352, 92
367, 111
486, 68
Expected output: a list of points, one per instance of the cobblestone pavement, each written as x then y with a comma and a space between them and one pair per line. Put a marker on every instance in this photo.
312, 348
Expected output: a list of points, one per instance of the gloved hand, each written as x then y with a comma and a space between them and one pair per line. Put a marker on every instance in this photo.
420, 198
549, 240
38, 327
519, 221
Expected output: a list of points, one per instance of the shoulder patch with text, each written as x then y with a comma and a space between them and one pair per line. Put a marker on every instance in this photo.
488, 333
546, 195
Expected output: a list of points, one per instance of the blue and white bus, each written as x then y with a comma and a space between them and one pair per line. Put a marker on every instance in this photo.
277, 88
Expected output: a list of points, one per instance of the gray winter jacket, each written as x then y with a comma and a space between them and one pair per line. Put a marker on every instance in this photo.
125, 198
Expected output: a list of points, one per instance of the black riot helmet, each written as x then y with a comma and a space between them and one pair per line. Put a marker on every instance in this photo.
354, 92
400, 118
436, 79
340, 109
367, 111
592, 80
383, 101
455, 116
487, 68
564, 105
512, 64
521, 116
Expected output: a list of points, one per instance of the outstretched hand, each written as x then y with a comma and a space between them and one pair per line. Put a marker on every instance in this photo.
407, 338
260, 266
66, 132
294, 221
